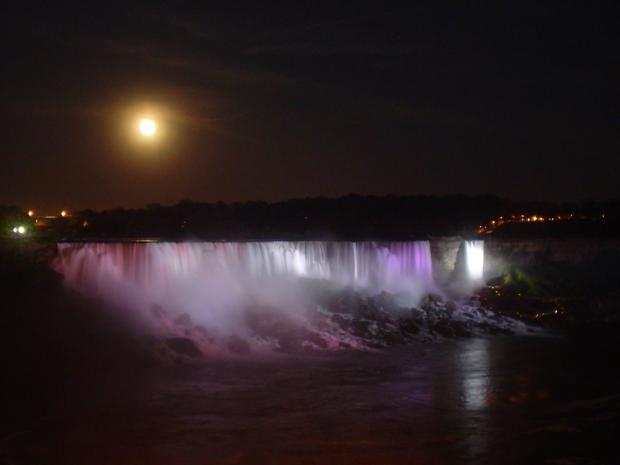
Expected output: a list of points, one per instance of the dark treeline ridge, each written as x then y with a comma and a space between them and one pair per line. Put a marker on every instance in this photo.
352, 217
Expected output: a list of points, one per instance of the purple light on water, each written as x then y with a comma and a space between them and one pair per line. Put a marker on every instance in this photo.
151, 264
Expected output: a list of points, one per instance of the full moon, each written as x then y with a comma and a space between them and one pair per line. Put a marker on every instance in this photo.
147, 127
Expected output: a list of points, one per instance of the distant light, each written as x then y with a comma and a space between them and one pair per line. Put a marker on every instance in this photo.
64, 213
30, 212
147, 127
21, 230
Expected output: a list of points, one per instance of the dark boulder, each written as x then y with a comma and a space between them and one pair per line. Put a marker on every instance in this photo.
183, 346
238, 346
183, 320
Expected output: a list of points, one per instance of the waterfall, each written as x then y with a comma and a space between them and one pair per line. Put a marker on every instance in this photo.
474, 256
257, 291
214, 282
153, 267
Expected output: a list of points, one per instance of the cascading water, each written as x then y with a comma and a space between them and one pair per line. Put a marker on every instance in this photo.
154, 267
322, 293
214, 281
474, 255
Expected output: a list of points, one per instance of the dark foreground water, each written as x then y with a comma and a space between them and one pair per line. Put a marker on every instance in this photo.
499, 401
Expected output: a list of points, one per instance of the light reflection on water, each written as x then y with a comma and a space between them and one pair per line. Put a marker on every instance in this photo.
442, 403
475, 371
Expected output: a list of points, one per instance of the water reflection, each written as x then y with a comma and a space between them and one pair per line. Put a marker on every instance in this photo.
475, 375
474, 365
448, 403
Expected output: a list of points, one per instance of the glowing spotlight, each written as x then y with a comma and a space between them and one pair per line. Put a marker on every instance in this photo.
64, 213
474, 254
30, 213
21, 230
147, 127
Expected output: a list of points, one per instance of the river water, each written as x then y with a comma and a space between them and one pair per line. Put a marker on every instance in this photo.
509, 400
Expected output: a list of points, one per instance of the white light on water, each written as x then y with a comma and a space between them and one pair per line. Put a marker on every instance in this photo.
474, 255
474, 363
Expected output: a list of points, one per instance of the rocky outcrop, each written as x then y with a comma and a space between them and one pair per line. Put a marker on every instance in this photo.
501, 254
345, 320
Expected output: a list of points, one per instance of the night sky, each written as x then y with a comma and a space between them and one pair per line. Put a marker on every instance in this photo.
266, 101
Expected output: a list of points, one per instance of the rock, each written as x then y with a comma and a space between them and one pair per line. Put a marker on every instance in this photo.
493, 330
289, 342
315, 339
371, 312
392, 338
344, 322
431, 301
267, 321
383, 301
238, 346
374, 322
409, 326
450, 329
157, 311
183, 320
360, 327
203, 332
417, 314
183, 346
346, 302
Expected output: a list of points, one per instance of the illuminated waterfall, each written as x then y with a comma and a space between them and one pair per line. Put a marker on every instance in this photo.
371, 264
225, 271
474, 256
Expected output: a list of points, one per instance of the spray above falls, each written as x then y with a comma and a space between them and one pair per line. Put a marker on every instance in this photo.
233, 288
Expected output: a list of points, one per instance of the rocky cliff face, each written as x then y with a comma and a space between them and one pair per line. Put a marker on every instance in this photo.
501, 254
444, 252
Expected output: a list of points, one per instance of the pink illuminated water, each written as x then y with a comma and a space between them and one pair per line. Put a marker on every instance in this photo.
154, 267
213, 282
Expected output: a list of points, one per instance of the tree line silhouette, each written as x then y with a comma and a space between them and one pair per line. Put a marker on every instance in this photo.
352, 217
